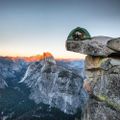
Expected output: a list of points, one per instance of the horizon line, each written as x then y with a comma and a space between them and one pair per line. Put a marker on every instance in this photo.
56, 57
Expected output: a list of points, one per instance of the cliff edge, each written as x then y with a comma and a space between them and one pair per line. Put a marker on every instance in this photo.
102, 67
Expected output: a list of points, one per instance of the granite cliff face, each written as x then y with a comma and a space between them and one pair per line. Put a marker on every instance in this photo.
102, 68
55, 85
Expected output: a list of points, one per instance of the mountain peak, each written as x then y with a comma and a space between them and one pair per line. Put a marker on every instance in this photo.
48, 58
47, 54
55, 85
39, 57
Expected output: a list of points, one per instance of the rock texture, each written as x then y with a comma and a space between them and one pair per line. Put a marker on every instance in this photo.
104, 77
102, 66
11, 69
114, 44
55, 85
3, 83
97, 46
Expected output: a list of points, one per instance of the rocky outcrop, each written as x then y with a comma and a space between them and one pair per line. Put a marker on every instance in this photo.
103, 75
96, 46
55, 85
102, 67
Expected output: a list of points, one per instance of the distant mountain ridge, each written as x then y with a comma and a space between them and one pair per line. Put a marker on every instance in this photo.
35, 58
13, 68
26, 59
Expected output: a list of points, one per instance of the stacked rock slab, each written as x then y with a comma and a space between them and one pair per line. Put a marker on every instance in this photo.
102, 65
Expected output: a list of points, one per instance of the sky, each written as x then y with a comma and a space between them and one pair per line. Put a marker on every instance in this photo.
30, 27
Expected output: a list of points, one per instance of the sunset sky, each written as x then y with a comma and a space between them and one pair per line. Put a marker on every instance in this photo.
30, 27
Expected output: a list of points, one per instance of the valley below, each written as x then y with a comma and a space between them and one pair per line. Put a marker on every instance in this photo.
41, 89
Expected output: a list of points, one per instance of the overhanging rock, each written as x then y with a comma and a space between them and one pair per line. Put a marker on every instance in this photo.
102, 67
97, 46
